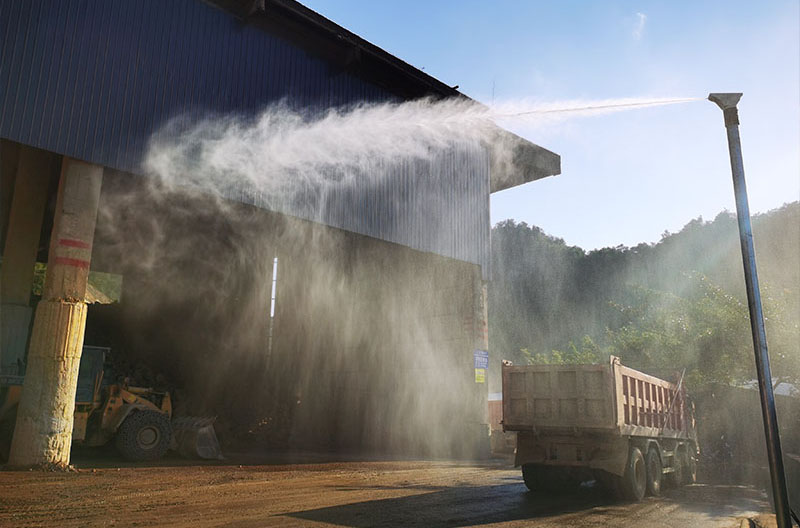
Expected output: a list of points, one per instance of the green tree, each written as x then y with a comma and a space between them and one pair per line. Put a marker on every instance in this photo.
545, 293
706, 331
587, 352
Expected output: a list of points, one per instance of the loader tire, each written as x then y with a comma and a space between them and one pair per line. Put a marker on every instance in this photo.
144, 435
7, 434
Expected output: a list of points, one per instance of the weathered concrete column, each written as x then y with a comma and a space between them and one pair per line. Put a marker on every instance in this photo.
43, 434
480, 294
19, 253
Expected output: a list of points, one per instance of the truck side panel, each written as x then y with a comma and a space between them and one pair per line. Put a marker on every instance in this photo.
649, 406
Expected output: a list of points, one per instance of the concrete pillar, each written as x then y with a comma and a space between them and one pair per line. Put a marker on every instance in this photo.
43, 434
481, 293
26, 213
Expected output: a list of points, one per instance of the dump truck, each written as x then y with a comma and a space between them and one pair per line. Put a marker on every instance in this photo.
137, 419
622, 428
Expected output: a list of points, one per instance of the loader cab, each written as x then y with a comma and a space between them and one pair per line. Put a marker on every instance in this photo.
90, 372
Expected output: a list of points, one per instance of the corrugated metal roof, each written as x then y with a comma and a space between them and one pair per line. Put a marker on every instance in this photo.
311, 30
94, 79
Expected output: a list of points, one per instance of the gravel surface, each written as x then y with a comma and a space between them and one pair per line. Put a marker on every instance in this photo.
241, 493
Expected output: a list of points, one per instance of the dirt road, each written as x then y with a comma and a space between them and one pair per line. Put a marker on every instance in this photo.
353, 494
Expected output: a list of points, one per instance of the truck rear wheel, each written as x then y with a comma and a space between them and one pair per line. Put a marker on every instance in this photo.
144, 435
633, 484
548, 478
689, 468
534, 477
609, 483
655, 472
676, 477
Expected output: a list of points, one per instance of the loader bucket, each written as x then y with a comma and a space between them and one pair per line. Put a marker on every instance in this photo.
194, 437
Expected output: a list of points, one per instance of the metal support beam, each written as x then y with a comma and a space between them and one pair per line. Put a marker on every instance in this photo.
727, 102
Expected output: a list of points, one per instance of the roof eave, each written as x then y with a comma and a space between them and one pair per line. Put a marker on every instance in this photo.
516, 161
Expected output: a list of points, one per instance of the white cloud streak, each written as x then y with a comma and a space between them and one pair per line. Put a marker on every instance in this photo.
638, 30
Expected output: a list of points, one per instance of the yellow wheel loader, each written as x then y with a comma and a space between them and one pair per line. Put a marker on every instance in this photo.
138, 419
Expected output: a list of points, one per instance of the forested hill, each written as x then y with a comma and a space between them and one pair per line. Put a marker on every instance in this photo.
677, 303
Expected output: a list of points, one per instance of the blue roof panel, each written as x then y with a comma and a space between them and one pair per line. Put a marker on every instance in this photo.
94, 79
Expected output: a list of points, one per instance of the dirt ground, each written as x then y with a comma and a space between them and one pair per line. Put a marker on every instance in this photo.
242, 492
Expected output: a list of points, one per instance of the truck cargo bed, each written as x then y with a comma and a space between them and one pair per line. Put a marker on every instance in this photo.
608, 398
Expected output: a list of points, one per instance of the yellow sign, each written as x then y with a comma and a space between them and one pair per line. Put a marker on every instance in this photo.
480, 375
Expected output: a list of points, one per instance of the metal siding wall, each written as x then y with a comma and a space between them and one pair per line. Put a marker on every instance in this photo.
93, 79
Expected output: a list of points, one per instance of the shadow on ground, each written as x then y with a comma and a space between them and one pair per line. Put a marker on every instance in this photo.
454, 506
481, 505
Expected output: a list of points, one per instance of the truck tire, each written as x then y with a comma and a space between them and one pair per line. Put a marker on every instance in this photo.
534, 476
633, 484
677, 477
655, 473
144, 435
548, 478
689, 468
609, 483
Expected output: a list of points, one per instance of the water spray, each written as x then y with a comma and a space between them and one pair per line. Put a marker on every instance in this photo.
281, 146
600, 108
727, 102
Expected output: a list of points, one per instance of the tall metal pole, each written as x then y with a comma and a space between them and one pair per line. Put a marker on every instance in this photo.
727, 102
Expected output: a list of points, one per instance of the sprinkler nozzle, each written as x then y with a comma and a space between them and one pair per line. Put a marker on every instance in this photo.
728, 102
725, 100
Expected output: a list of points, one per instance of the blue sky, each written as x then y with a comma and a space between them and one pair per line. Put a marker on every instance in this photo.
626, 177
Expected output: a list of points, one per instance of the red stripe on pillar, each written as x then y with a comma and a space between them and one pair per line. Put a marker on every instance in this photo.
75, 263
74, 243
